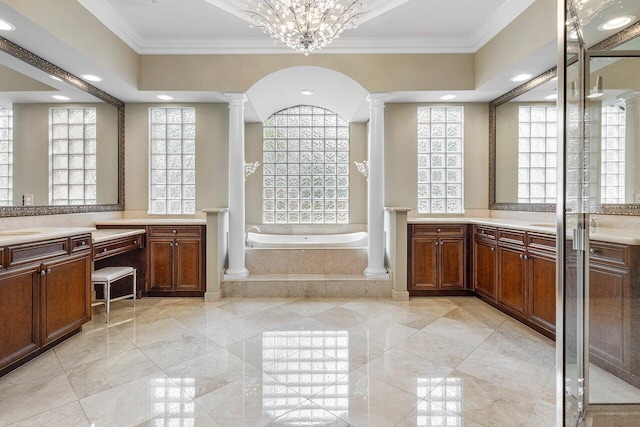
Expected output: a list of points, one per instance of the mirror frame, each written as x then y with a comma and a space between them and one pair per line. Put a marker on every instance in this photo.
493, 105
49, 68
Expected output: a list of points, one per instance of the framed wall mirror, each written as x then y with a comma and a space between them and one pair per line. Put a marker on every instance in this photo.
523, 146
61, 140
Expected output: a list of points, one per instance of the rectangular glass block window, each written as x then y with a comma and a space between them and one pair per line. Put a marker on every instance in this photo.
440, 159
6, 157
305, 167
537, 149
612, 155
72, 156
172, 146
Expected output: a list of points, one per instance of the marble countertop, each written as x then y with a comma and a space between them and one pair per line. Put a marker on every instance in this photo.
154, 221
623, 236
35, 234
105, 235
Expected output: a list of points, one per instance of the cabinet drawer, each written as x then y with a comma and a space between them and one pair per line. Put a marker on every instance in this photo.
179, 231
438, 230
609, 253
81, 243
513, 237
542, 242
37, 251
117, 246
485, 232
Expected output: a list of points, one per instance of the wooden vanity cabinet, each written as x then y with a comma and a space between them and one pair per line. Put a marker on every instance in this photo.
485, 261
541, 249
45, 289
438, 259
176, 256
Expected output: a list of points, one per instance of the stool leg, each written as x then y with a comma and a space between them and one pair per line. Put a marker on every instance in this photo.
107, 301
134, 287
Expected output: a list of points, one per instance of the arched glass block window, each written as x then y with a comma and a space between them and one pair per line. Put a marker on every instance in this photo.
305, 167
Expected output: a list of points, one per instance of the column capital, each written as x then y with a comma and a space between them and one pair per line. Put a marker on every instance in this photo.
236, 98
377, 98
632, 97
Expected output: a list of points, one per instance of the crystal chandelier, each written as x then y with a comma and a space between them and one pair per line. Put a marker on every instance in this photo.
305, 25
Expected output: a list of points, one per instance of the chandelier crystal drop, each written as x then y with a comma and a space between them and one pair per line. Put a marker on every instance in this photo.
305, 25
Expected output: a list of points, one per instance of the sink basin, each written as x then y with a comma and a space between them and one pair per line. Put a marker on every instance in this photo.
544, 224
18, 232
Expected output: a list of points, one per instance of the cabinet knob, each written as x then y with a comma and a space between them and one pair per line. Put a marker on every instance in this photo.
174, 231
493, 249
104, 250
135, 242
439, 230
482, 232
176, 244
42, 272
525, 257
83, 243
521, 256
592, 251
48, 270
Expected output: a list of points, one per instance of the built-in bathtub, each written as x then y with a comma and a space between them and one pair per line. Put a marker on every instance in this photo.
307, 241
344, 253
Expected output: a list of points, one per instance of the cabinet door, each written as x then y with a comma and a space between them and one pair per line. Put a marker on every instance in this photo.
65, 297
511, 279
19, 325
484, 268
424, 264
188, 264
160, 264
452, 263
542, 291
609, 322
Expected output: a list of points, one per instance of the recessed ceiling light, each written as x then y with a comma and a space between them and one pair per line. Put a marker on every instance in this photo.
91, 78
58, 79
6, 26
306, 92
448, 97
165, 97
61, 97
552, 96
521, 77
615, 23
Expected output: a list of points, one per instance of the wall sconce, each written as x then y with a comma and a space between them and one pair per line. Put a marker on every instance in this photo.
598, 90
250, 168
363, 168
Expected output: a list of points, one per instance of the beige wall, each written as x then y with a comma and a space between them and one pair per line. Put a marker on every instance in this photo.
69, 21
357, 182
212, 154
31, 151
376, 73
401, 148
525, 35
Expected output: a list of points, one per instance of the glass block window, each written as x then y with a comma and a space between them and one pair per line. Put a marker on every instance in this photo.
305, 167
612, 155
537, 150
173, 161
440, 160
6, 157
72, 158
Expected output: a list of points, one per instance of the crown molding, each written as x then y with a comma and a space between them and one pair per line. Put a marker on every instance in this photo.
106, 14
256, 46
503, 17
111, 19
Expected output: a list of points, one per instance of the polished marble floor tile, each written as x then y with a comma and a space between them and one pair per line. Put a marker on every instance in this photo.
290, 361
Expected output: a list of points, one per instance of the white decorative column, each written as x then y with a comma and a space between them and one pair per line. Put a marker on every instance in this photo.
375, 190
632, 153
236, 268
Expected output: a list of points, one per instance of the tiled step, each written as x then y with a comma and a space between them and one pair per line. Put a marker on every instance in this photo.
307, 285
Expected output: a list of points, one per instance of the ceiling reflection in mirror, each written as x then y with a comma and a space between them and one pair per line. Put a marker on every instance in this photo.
58, 144
595, 21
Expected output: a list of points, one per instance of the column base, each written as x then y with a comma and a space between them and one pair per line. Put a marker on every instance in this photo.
213, 296
375, 273
238, 273
400, 296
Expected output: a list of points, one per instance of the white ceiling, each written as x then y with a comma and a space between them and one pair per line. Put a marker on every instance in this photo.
391, 26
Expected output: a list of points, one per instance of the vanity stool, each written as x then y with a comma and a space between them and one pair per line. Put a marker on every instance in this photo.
105, 277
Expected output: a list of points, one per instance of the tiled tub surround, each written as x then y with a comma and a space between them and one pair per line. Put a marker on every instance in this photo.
306, 261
